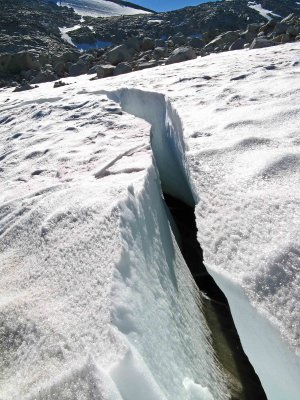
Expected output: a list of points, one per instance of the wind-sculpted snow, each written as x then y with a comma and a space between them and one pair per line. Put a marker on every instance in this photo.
96, 300
95, 295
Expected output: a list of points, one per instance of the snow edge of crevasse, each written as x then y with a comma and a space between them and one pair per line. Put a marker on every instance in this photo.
264, 351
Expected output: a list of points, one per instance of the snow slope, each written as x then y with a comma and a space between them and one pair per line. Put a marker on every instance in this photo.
262, 11
96, 297
101, 8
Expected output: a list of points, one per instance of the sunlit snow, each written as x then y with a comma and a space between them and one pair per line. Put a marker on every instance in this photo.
101, 8
263, 12
95, 298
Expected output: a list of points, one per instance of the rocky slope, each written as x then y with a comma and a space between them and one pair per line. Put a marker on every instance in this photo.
34, 50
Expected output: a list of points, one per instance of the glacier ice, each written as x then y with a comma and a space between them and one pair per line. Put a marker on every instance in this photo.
93, 281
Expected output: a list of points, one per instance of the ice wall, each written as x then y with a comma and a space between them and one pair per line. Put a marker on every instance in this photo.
95, 300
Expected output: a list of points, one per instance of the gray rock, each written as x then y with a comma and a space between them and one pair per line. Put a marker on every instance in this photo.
181, 54
104, 71
179, 40
280, 28
59, 84
147, 64
259, 43
122, 68
293, 30
59, 68
119, 54
27, 74
253, 28
43, 76
159, 43
223, 41
147, 44
238, 44
17, 62
93, 70
78, 68
196, 43
268, 27
159, 52
285, 38
133, 43
87, 58
24, 87
288, 18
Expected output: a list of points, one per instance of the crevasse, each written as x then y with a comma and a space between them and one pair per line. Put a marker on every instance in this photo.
169, 149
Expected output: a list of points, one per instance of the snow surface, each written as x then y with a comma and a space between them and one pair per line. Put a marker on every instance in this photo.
262, 11
64, 34
95, 295
101, 8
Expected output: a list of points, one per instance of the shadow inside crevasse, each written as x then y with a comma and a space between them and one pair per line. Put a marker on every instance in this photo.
244, 383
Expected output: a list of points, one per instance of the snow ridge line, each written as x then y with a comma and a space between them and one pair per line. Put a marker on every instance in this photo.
167, 139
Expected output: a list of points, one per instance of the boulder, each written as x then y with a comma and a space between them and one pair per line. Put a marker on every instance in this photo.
280, 28
147, 64
104, 71
285, 38
17, 62
122, 68
59, 68
43, 76
59, 84
288, 18
181, 54
253, 28
293, 30
159, 43
268, 27
148, 44
159, 52
196, 43
179, 40
78, 68
119, 54
133, 43
24, 87
259, 43
223, 41
238, 44
68, 56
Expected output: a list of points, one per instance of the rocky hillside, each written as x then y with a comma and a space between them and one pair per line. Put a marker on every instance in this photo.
33, 49
213, 17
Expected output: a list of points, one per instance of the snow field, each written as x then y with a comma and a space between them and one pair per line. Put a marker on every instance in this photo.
123, 320
100, 8
234, 121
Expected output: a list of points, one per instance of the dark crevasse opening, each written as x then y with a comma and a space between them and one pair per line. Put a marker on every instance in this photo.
243, 381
